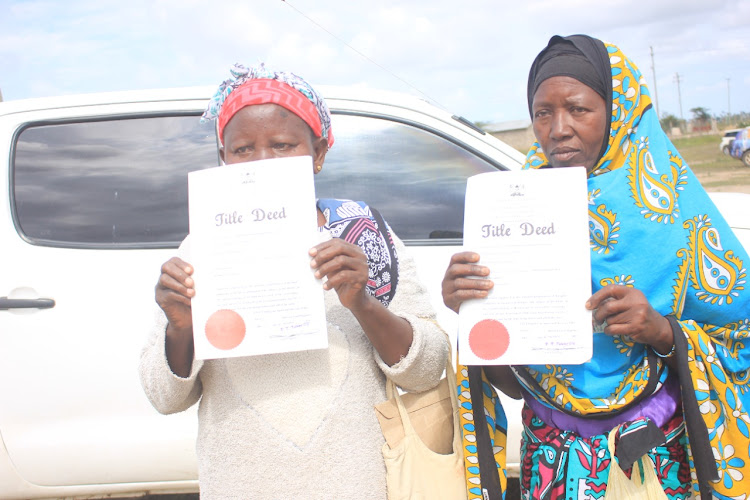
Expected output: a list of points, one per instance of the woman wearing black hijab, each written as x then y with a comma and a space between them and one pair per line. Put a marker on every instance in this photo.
671, 309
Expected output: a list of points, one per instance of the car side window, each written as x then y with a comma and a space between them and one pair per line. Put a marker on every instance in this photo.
414, 177
117, 183
122, 183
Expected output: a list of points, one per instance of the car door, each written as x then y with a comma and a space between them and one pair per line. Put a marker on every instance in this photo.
97, 201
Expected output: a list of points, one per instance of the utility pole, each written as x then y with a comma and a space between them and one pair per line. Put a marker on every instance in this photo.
679, 96
729, 108
656, 94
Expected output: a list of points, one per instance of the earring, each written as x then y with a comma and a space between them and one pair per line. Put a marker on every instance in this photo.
318, 168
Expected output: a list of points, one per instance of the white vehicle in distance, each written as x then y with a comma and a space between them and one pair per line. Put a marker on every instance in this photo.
94, 199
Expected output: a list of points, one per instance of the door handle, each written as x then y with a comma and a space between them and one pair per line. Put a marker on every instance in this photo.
6, 303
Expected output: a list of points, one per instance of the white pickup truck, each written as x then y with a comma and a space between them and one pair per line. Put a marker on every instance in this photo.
93, 198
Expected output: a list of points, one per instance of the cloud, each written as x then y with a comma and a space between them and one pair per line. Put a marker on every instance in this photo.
472, 58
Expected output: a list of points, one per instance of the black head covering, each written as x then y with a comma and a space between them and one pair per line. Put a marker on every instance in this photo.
578, 56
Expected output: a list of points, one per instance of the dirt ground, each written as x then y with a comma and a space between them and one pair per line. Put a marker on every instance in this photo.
725, 181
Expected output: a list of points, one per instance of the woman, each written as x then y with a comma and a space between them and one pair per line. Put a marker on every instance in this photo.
301, 424
670, 306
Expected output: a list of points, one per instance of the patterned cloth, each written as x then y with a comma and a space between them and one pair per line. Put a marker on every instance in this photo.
562, 464
653, 227
353, 222
242, 75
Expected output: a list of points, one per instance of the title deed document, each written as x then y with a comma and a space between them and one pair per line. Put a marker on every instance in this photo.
251, 227
530, 228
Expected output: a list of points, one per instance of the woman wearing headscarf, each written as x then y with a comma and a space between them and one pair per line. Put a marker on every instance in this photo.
671, 306
300, 424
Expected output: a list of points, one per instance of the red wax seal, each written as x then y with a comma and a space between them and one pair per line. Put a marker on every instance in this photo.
489, 339
225, 329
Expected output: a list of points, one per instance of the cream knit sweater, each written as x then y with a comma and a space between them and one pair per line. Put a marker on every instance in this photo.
299, 425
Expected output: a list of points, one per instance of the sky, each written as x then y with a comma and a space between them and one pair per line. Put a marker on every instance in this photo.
470, 58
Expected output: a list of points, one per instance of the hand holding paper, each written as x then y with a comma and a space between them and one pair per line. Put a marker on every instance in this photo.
343, 266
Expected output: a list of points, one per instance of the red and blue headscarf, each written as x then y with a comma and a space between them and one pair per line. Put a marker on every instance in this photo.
258, 85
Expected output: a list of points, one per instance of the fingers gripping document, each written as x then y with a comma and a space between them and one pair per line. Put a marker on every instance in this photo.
530, 228
251, 227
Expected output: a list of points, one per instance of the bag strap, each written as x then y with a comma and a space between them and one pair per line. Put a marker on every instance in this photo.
392, 392
406, 422
488, 471
643, 481
383, 227
703, 458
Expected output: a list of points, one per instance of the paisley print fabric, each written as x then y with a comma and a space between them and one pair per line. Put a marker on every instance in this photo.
653, 227
353, 222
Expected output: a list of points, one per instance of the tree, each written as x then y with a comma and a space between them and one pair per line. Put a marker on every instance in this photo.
701, 119
701, 114
670, 121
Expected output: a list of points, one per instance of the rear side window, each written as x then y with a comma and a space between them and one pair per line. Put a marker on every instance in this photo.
115, 183
414, 177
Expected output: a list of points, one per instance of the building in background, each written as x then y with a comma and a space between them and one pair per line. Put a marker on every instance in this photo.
517, 133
